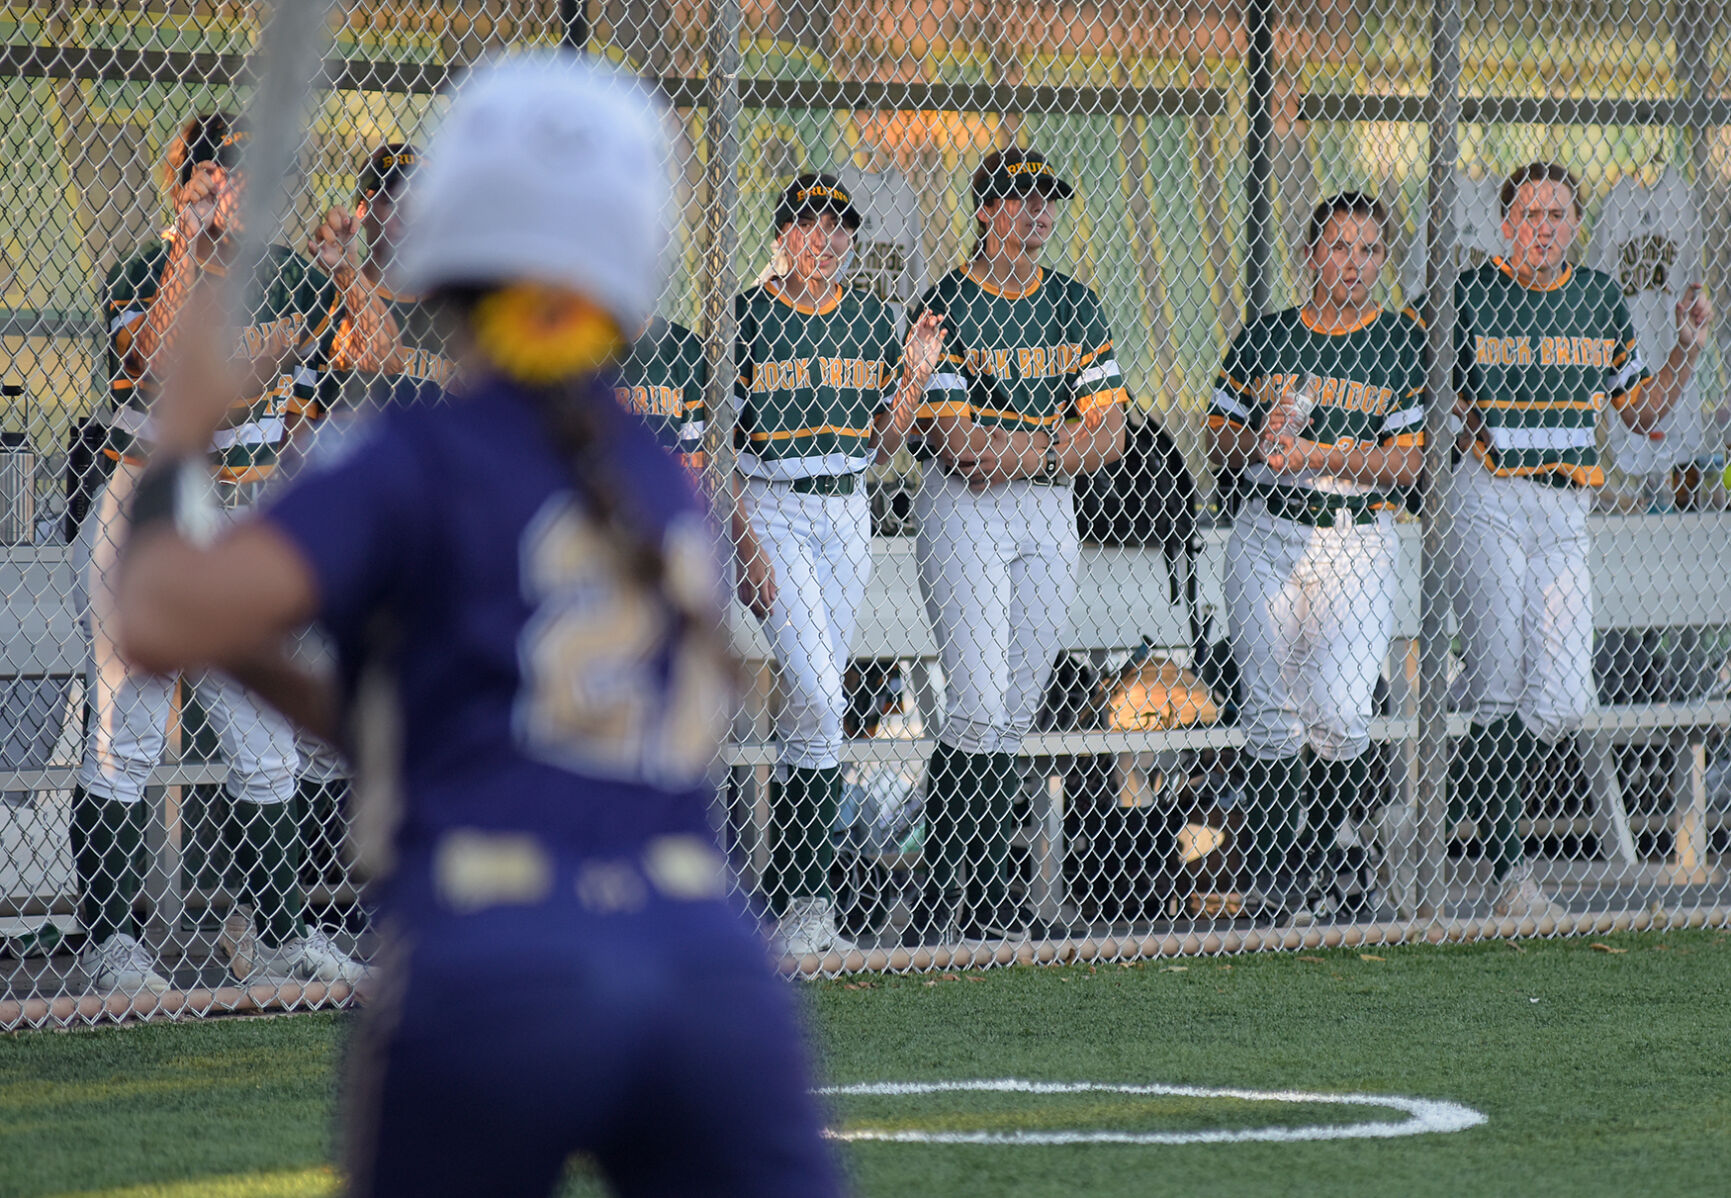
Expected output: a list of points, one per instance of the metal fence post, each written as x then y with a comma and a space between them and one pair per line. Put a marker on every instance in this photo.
1259, 239
1443, 111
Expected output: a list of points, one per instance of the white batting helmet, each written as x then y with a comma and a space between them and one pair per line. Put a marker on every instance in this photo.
548, 167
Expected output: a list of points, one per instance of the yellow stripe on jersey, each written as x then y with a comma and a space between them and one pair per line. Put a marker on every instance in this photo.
1111, 397
1217, 420
1407, 440
1541, 405
818, 431
1586, 476
1624, 399
951, 407
1040, 421
1092, 354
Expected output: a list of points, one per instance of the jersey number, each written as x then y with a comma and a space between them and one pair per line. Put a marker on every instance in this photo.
602, 692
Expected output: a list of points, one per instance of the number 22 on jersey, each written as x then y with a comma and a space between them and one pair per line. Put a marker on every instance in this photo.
603, 691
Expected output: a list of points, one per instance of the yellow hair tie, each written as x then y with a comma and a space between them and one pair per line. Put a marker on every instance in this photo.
540, 334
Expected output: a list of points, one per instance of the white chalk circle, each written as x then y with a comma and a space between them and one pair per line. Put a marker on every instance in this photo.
1427, 1115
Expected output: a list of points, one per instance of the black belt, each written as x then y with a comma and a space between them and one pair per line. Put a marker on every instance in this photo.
826, 484
1318, 508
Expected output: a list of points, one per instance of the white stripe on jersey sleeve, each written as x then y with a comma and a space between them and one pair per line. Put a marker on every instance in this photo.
124, 319
1405, 418
947, 382
1227, 404
1625, 378
1542, 438
1097, 372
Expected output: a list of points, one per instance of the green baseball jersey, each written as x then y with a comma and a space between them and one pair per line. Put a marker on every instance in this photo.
662, 380
298, 299
341, 386
811, 380
1369, 387
1028, 360
1538, 363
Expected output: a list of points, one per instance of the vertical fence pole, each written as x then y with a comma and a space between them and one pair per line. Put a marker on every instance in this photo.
720, 234
717, 284
1443, 108
1258, 148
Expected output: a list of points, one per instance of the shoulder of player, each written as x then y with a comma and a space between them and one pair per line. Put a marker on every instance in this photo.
1061, 283
1273, 329
683, 342
1597, 282
137, 273
1405, 320
944, 291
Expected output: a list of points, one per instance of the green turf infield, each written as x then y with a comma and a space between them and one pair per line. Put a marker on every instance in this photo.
1600, 1068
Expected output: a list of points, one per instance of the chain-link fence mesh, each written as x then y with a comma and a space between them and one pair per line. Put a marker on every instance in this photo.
1224, 566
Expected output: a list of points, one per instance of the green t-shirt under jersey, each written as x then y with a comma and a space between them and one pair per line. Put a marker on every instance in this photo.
1538, 364
298, 296
662, 380
811, 380
1371, 387
1028, 360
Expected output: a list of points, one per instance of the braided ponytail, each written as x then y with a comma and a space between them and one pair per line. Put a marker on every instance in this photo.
574, 425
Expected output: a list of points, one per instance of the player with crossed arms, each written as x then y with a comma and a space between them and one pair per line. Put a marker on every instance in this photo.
1542, 348
1321, 407
1029, 396
525, 595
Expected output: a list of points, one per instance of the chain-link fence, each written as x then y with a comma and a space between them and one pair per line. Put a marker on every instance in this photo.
1301, 517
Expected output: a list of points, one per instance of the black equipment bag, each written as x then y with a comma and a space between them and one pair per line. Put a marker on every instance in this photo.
1149, 498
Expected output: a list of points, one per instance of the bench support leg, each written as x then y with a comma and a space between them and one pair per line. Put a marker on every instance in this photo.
1688, 865
1609, 813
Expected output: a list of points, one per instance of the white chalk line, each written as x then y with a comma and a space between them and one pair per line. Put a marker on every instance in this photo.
1428, 1115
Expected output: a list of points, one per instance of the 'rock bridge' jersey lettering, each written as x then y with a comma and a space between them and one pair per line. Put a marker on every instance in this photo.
1538, 364
299, 298
1372, 387
426, 368
811, 380
662, 380
1020, 361
563, 700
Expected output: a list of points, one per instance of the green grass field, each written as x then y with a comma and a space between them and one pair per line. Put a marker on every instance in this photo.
1599, 1070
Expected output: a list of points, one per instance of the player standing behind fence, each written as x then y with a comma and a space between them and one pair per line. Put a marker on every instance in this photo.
1321, 408
1028, 396
526, 597
824, 389
1541, 347
142, 301
357, 377
352, 377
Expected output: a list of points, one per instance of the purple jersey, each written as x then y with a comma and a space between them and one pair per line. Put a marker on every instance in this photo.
500, 671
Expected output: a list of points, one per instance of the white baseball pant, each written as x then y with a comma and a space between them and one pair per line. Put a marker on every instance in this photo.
820, 546
130, 710
998, 572
1310, 612
1523, 597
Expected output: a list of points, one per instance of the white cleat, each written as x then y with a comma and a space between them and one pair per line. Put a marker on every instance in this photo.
309, 958
809, 928
122, 965
237, 941
1522, 898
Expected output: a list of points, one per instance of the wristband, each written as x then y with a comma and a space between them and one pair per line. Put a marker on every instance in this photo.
1052, 471
174, 492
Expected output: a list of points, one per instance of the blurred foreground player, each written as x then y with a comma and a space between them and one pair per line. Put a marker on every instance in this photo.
524, 592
